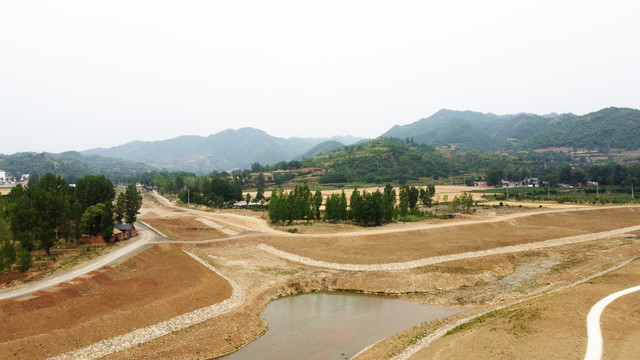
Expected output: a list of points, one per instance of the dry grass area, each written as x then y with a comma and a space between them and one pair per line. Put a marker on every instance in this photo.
441, 191
158, 283
362, 248
551, 326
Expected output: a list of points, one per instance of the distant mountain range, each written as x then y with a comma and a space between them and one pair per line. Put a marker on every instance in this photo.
608, 128
226, 150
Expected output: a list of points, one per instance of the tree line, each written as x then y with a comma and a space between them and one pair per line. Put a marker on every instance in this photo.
48, 209
363, 208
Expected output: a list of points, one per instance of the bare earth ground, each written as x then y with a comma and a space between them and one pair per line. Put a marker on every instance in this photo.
152, 286
183, 228
359, 248
552, 326
475, 284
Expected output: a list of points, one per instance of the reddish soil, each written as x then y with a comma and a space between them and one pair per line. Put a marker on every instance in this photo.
184, 228
6, 278
155, 285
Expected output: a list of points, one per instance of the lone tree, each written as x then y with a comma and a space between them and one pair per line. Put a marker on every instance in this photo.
120, 208
426, 195
132, 203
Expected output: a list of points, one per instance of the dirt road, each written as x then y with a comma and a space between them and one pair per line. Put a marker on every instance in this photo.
226, 220
144, 239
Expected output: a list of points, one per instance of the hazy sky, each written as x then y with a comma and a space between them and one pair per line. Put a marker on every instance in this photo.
81, 74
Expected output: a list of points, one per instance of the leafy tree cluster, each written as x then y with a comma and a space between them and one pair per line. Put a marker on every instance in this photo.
39, 211
298, 204
378, 207
8, 251
367, 209
128, 204
92, 206
336, 207
464, 201
604, 174
213, 191
48, 209
256, 167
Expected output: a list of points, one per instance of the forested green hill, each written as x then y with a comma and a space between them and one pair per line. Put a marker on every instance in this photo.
393, 160
70, 165
608, 128
617, 128
321, 148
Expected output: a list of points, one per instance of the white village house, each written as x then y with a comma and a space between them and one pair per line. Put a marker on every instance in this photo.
3, 176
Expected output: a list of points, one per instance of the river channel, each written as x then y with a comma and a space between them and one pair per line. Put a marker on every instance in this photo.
333, 325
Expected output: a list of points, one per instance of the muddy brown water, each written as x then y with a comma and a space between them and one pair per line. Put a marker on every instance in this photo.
333, 325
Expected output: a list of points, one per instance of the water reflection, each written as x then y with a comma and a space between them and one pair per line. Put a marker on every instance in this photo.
333, 326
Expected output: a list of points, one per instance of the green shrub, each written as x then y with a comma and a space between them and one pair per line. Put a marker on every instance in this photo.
25, 261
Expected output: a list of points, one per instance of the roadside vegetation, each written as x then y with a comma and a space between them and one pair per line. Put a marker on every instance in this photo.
48, 213
582, 195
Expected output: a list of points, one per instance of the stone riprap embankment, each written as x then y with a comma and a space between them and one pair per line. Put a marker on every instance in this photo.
397, 266
139, 336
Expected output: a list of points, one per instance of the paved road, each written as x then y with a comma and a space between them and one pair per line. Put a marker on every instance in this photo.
594, 333
145, 238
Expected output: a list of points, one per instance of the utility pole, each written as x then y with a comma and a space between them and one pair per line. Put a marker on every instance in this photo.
187, 196
632, 196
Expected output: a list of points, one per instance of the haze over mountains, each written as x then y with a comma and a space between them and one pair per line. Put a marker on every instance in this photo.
225, 150
610, 128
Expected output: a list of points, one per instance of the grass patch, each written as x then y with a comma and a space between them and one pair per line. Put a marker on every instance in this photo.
454, 270
572, 261
478, 320
358, 291
601, 278
521, 319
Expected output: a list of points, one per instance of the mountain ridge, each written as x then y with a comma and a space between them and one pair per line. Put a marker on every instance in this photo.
606, 128
225, 150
